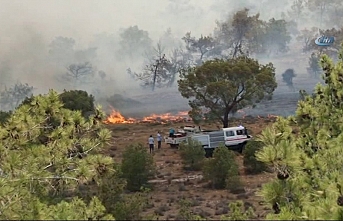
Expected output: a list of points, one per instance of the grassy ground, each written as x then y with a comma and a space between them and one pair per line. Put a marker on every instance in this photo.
169, 187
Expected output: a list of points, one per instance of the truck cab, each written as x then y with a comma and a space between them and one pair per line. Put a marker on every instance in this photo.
236, 136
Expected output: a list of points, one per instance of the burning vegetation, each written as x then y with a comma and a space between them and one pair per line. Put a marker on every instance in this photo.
117, 118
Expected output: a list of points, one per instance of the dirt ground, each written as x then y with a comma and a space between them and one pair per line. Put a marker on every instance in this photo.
172, 182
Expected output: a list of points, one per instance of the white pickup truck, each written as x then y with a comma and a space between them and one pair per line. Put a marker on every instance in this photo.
234, 138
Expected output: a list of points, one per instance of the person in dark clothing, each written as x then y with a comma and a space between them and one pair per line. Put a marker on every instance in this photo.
171, 132
151, 143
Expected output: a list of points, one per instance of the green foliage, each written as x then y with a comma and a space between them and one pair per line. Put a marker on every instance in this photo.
204, 46
277, 36
78, 100
243, 34
314, 67
237, 212
131, 206
308, 163
4, 116
222, 169
185, 211
47, 152
193, 154
219, 87
75, 100
75, 210
109, 188
137, 166
251, 164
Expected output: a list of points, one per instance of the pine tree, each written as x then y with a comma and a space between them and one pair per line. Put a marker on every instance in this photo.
47, 152
305, 151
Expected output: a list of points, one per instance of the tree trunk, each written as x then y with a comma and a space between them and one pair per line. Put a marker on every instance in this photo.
226, 120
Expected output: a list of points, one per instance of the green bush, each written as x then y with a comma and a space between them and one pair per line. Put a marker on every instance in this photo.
185, 211
251, 164
4, 116
130, 207
75, 100
193, 154
238, 212
137, 166
78, 100
222, 169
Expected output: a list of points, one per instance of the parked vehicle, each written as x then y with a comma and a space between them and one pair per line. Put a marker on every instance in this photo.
235, 138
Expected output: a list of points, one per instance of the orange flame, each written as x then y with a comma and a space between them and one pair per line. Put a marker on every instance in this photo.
117, 118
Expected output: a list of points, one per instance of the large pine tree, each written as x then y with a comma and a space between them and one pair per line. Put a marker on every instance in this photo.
306, 152
46, 152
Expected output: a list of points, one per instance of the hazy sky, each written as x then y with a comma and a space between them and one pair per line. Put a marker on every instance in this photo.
83, 18
28, 26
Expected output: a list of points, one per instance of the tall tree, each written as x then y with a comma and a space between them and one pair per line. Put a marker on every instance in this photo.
277, 36
79, 73
161, 70
11, 97
200, 47
216, 88
47, 152
134, 42
235, 32
305, 152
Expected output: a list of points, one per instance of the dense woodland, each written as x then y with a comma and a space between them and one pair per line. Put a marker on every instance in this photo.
52, 164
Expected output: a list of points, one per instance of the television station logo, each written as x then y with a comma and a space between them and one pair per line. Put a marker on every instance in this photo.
324, 41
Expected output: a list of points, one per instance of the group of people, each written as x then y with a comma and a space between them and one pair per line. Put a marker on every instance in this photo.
151, 142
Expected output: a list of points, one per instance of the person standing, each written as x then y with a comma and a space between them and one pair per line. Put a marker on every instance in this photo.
159, 140
151, 143
171, 132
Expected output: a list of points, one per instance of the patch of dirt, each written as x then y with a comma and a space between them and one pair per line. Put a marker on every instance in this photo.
172, 182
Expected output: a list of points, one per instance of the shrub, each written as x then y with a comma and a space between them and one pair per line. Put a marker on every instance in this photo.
137, 166
251, 164
75, 100
193, 154
78, 100
238, 212
130, 207
222, 169
185, 211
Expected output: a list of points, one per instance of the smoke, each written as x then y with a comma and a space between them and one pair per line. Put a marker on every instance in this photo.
29, 27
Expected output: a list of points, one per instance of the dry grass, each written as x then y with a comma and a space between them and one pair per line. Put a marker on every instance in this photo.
165, 196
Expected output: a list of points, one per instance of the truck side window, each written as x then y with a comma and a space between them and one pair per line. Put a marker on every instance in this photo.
239, 132
230, 133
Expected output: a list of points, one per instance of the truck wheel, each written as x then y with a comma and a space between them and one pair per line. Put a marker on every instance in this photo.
208, 152
173, 145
